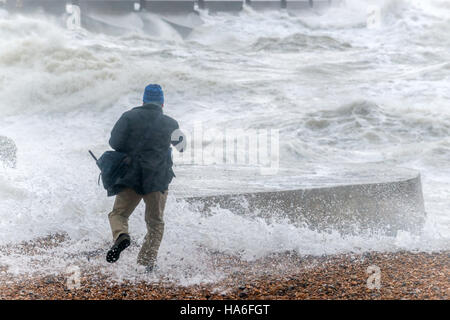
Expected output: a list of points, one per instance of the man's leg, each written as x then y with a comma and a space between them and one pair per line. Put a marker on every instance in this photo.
124, 205
154, 217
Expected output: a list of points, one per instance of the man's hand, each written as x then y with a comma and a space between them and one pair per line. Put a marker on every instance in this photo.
178, 140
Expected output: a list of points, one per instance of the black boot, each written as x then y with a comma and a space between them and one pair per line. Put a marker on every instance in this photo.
122, 242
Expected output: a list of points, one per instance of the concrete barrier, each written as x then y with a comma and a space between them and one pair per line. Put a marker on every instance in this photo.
300, 4
265, 4
108, 6
221, 5
169, 6
289, 4
55, 7
351, 200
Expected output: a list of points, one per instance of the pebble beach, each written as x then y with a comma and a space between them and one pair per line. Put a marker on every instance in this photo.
403, 275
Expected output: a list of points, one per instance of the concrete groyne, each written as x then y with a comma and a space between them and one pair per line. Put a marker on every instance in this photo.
364, 198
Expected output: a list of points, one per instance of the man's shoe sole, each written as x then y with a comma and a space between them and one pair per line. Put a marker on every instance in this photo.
114, 254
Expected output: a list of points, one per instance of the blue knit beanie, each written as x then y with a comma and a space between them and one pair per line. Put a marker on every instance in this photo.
153, 94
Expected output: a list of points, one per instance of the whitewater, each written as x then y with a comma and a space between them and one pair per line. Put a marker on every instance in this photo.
339, 92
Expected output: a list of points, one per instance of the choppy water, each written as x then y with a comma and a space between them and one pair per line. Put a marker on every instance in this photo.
338, 91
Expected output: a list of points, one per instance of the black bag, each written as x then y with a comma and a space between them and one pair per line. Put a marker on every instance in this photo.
113, 165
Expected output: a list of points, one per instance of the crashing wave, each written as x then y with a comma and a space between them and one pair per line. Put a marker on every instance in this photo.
8, 152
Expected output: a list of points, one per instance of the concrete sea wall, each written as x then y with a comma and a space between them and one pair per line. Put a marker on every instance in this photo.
350, 201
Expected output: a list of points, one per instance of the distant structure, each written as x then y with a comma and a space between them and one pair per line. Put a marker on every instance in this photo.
115, 17
163, 6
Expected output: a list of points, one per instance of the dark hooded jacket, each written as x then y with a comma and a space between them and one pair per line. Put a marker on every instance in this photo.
150, 167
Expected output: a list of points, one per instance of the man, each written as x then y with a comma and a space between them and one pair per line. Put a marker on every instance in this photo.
145, 134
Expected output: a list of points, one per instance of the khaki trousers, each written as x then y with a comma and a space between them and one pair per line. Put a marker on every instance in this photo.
124, 205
